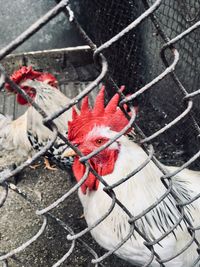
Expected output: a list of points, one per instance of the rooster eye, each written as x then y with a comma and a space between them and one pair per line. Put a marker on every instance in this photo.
99, 142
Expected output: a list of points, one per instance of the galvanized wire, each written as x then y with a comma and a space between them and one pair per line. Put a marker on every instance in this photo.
48, 121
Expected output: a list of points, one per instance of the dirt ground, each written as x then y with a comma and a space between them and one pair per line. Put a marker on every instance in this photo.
19, 223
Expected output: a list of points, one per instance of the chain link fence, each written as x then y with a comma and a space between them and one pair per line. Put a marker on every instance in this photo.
152, 48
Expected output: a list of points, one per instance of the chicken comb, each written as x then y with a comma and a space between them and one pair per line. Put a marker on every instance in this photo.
110, 116
25, 73
22, 74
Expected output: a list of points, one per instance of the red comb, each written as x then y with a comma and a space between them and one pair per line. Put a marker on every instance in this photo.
110, 116
22, 74
25, 73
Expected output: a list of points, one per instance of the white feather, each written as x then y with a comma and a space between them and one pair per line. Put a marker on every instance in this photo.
14, 145
137, 194
50, 100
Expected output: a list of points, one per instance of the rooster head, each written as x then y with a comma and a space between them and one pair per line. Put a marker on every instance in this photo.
91, 129
27, 73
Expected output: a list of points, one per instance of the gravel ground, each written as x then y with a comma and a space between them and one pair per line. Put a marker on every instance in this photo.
19, 222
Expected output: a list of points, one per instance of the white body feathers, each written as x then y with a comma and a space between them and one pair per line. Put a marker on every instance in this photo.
14, 144
137, 194
50, 100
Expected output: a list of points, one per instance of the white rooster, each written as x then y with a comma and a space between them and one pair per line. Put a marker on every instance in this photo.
89, 131
28, 132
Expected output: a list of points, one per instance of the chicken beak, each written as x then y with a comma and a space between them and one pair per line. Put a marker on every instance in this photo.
69, 152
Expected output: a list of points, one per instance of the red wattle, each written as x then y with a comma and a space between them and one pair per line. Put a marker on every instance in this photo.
30, 92
21, 100
91, 182
103, 166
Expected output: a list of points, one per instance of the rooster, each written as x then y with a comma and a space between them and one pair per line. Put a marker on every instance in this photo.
42, 88
93, 128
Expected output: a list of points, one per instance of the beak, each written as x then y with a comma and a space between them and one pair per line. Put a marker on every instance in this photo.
69, 152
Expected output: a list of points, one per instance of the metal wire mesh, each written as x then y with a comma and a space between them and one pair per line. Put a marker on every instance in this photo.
138, 63
174, 75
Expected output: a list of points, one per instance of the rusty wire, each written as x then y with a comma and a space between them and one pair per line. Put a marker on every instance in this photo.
48, 121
